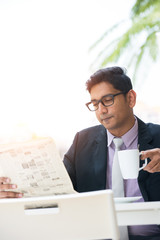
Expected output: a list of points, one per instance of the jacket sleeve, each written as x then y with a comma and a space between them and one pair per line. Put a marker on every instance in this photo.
69, 161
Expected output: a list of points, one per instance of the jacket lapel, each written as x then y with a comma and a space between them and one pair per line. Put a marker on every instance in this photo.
144, 141
144, 137
100, 157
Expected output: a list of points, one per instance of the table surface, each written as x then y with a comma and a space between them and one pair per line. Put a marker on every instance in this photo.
138, 213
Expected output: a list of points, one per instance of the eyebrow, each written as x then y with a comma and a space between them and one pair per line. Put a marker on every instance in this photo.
102, 97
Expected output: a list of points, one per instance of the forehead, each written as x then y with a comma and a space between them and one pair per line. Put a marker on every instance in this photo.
101, 89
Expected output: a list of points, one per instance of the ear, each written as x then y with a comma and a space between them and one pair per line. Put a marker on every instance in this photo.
131, 98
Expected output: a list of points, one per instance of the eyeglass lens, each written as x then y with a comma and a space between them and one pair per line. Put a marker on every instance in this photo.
106, 101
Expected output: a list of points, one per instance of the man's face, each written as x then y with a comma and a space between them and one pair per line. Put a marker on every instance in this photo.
117, 118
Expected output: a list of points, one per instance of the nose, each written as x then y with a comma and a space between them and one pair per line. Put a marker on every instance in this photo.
102, 108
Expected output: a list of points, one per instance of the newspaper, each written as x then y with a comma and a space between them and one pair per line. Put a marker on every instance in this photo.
35, 167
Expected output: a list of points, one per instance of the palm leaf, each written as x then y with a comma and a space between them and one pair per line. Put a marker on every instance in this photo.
106, 34
151, 45
143, 6
144, 23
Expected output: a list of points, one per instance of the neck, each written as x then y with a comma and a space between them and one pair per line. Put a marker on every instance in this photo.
119, 132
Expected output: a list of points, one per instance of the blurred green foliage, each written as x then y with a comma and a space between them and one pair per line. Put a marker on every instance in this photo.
133, 40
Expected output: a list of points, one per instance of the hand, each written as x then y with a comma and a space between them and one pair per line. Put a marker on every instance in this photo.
154, 164
6, 185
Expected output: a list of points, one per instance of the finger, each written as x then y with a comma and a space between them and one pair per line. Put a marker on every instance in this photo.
10, 194
153, 169
150, 153
5, 180
153, 166
146, 154
7, 186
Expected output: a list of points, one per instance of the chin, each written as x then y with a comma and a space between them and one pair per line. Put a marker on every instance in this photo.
108, 126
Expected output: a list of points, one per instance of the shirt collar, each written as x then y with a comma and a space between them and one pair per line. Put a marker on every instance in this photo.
128, 137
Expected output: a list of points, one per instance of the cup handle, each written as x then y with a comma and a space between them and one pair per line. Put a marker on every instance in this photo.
145, 164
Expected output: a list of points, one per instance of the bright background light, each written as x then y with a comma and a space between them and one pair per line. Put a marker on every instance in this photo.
44, 64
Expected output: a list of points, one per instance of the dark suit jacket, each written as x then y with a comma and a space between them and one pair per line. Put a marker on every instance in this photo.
86, 160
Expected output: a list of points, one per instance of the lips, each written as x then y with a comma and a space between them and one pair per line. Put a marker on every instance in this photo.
106, 119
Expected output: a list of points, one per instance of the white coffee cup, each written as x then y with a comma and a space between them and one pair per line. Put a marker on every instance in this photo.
129, 163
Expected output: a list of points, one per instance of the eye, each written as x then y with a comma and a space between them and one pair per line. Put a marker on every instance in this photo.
107, 99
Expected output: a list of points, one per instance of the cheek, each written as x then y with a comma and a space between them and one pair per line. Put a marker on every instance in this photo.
123, 111
98, 116
119, 109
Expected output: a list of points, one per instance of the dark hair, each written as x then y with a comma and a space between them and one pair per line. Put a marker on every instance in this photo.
113, 75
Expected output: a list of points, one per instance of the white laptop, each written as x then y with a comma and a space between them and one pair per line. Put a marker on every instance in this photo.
79, 216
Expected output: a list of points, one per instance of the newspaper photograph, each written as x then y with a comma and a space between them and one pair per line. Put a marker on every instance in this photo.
35, 167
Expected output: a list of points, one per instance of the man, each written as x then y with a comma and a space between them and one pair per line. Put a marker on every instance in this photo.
89, 159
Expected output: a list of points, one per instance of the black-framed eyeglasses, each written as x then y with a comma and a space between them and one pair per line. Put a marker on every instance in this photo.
106, 100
